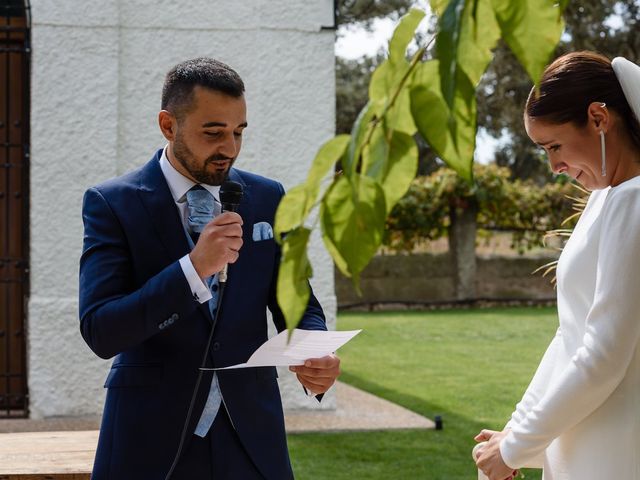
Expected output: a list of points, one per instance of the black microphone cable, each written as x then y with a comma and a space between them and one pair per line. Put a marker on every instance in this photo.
230, 197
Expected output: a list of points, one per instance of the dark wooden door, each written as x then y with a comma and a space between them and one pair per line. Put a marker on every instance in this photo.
14, 219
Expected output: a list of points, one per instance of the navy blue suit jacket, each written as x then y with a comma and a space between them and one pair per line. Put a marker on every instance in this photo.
136, 306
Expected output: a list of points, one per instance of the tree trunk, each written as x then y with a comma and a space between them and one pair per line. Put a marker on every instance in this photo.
462, 246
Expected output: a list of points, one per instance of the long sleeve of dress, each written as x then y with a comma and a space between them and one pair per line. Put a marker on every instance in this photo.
538, 385
612, 330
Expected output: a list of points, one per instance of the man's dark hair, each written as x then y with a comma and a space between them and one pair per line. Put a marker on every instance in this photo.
177, 92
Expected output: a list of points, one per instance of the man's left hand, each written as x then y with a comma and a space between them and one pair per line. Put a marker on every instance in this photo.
317, 375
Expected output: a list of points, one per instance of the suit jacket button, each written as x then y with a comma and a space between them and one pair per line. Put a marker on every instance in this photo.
216, 346
175, 316
161, 326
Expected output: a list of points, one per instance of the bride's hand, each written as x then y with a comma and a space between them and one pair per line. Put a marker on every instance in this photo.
489, 458
485, 435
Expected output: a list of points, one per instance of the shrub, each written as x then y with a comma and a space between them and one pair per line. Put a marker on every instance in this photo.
525, 209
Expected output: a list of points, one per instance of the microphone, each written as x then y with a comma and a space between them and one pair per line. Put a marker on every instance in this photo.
230, 197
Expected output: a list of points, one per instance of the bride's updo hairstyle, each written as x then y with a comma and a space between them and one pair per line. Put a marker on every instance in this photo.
571, 83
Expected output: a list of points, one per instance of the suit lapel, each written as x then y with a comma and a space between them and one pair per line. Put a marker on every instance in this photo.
156, 197
157, 200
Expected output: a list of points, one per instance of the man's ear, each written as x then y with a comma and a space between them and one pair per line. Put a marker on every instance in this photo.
168, 124
599, 116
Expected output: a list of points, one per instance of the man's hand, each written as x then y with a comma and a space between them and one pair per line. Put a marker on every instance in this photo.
489, 458
317, 375
219, 244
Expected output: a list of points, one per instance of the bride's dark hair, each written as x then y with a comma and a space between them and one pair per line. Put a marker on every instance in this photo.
571, 83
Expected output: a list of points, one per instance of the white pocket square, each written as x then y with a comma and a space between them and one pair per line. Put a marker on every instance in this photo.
262, 231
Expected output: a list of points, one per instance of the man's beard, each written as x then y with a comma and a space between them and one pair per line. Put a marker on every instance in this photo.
186, 158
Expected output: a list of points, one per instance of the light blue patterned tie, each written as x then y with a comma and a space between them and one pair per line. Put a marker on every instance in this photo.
201, 206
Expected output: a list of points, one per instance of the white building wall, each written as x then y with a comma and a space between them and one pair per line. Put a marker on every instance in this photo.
98, 68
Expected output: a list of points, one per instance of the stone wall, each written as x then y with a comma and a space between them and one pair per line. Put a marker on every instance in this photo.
429, 278
98, 68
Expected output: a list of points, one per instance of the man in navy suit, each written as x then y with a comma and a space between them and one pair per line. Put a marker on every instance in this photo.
146, 298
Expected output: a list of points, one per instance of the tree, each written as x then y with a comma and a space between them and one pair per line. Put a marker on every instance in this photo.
365, 11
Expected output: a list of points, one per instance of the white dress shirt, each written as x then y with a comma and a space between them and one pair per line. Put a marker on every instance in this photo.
179, 185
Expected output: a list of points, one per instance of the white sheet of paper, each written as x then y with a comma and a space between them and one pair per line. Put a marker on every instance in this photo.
304, 344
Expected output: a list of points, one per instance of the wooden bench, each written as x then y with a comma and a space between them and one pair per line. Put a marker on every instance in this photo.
47, 455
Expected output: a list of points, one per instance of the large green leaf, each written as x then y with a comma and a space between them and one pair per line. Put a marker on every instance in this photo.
353, 215
395, 165
292, 289
385, 81
402, 36
479, 35
447, 48
326, 158
432, 116
402, 168
291, 211
382, 82
375, 155
359, 132
299, 201
399, 115
532, 29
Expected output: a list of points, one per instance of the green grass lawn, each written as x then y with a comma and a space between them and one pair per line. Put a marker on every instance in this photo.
470, 366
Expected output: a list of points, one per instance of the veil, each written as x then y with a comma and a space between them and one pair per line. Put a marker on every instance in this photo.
628, 74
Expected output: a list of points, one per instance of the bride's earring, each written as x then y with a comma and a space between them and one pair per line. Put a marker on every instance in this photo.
603, 153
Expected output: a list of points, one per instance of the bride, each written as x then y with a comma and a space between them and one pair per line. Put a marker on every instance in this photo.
579, 418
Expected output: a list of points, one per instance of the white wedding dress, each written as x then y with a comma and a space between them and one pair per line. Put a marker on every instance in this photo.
581, 412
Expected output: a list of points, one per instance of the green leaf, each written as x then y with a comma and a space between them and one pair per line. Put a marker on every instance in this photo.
432, 116
532, 29
358, 134
403, 34
402, 168
399, 115
375, 155
299, 201
353, 216
392, 163
384, 82
292, 290
326, 158
291, 211
479, 35
447, 48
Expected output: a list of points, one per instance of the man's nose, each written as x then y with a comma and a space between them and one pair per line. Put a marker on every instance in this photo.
229, 147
